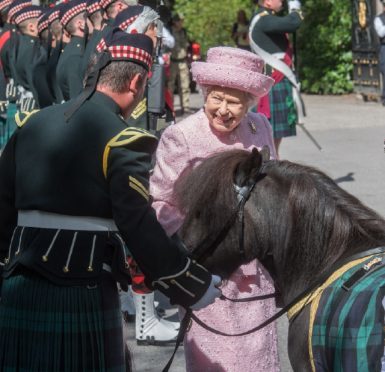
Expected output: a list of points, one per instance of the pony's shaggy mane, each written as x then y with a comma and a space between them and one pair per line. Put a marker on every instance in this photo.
296, 213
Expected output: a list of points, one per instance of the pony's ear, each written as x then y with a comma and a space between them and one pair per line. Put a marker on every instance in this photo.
248, 169
265, 153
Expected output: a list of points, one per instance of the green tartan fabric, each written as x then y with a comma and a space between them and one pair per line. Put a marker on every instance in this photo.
9, 126
48, 328
283, 113
348, 331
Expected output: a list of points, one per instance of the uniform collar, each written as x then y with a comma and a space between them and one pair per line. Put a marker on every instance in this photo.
102, 99
263, 9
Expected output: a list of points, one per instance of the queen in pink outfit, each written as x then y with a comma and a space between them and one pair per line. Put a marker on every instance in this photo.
231, 79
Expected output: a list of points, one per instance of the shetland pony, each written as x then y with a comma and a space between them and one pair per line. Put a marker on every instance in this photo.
299, 224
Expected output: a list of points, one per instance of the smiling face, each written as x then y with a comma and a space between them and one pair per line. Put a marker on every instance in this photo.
225, 108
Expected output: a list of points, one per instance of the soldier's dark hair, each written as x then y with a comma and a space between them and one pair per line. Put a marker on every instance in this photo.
116, 75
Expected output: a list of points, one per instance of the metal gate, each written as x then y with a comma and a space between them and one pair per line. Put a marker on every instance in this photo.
365, 45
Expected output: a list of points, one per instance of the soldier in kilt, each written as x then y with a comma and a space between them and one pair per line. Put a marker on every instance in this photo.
269, 39
73, 195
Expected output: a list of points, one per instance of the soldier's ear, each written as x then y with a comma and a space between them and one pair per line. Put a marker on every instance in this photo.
136, 84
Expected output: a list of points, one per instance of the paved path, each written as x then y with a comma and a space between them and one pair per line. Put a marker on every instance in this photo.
352, 135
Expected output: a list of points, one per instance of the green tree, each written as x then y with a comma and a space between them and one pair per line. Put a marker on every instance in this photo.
324, 47
210, 22
323, 41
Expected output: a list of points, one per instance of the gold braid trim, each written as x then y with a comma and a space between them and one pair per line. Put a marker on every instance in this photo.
125, 137
22, 117
138, 186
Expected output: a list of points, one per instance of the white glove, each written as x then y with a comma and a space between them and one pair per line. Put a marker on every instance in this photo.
11, 92
294, 5
27, 104
211, 294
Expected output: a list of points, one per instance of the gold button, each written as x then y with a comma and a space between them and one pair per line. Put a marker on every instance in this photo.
65, 269
90, 269
172, 281
44, 258
188, 273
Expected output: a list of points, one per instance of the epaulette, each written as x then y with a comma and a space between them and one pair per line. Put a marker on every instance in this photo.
22, 117
264, 13
140, 109
133, 138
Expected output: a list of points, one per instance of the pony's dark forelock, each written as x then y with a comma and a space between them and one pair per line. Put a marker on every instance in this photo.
296, 213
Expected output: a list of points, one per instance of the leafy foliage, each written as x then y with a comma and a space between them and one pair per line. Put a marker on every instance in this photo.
210, 22
324, 47
323, 41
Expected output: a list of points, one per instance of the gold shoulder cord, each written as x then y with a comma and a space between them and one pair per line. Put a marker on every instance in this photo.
124, 138
22, 117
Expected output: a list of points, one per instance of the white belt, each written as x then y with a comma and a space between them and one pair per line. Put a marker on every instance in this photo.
47, 220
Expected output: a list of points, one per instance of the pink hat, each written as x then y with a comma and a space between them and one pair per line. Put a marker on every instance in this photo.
233, 68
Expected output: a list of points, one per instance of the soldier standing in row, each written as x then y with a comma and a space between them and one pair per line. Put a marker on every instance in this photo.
379, 25
28, 50
73, 194
269, 39
179, 70
69, 71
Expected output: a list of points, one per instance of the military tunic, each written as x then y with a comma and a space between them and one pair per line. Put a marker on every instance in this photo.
94, 165
45, 95
69, 71
27, 53
6, 50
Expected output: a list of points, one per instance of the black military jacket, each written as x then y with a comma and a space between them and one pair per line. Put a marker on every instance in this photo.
6, 50
93, 165
270, 31
28, 50
69, 71
45, 95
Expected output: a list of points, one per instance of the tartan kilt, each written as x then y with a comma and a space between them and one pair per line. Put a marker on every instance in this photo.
8, 126
282, 109
44, 327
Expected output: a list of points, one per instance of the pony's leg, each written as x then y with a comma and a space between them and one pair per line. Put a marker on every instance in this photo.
298, 347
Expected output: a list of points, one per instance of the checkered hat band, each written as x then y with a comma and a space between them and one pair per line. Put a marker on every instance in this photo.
127, 22
129, 52
15, 9
54, 16
27, 15
42, 26
101, 46
105, 3
72, 13
5, 4
93, 8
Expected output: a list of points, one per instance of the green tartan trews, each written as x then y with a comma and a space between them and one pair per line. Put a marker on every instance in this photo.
47, 328
283, 113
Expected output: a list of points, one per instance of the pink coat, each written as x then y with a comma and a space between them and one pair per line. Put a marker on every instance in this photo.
182, 147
